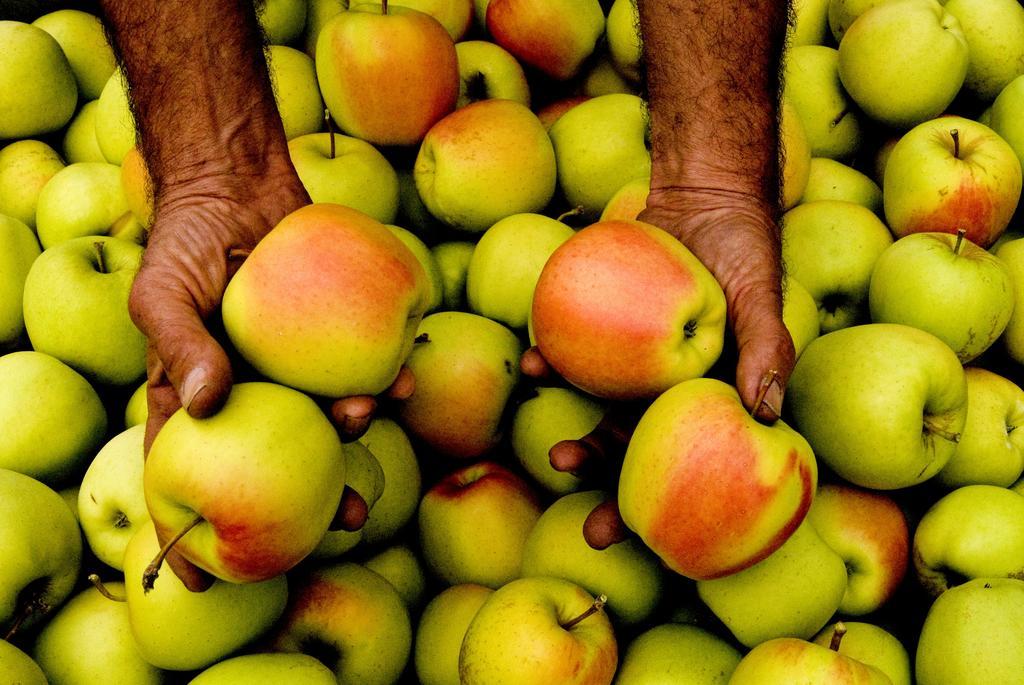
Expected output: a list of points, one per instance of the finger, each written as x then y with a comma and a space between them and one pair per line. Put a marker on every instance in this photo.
352, 416
403, 386
534, 365
194, 578
572, 456
766, 356
352, 512
604, 526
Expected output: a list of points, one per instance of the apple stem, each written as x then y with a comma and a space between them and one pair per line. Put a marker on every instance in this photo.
149, 576
838, 118
597, 606
330, 129
101, 263
575, 211
960, 233
941, 432
838, 631
383, 6
102, 589
955, 133
27, 609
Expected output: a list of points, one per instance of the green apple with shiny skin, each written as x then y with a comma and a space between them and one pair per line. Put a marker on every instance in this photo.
799, 314
622, 31
440, 632
136, 410
18, 250
18, 667
787, 660
832, 180
882, 404
25, 168
402, 480
812, 85
1012, 255
842, 13
809, 23
80, 144
874, 646
293, 78
115, 123
400, 566
282, 20
38, 93
994, 31
427, 261
83, 199
677, 654
488, 71
266, 669
84, 43
453, 260
1006, 116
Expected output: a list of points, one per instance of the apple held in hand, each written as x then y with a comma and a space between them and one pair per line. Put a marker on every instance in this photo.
707, 487
328, 302
623, 310
280, 445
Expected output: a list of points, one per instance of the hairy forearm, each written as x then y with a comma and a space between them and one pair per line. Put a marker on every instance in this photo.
199, 89
713, 90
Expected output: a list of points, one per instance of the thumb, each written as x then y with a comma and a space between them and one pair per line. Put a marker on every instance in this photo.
766, 355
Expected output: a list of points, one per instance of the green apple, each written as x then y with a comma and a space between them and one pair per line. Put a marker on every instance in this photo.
1012, 255
489, 71
809, 24
18, 667
991, 449
786, 661
426, 260
453, 261
80, 144
76, 308
363, 475
18, 250
972, 635
796, 155
36, 82
677, 654
399, 566
454, 518
26, 166
84, 43
537, 631
831, 247
90, 641
602, 78
115, 123
811, 77
456, 16
903, 62
346, 171
506, 264
42, 548
599, 144
83, 199
441, 630
352, 619
799, 313
267, 669
976, 531
293, 77
873, 646
882, 404
994, 30
179, 630
282, 21
53, 437
623, 35
136, 410
1005, 117
318, 13
402, 482
832, 180
111, 504
629, 573
842, 13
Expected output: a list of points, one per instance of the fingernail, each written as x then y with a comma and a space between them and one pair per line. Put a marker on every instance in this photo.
768, 404
194, 384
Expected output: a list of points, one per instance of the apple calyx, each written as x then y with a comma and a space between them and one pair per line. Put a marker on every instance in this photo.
103, 590
101, 263
955, 135
330, 127
597, 606
152, 571
838, 631
838, 119
960, 233
384, 7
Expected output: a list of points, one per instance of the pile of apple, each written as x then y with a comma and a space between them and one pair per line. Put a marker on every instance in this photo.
877, 532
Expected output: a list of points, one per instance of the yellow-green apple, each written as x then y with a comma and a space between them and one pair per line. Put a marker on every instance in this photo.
346, 171
976, 531
627, 572
903, 62
353, 620
788, 660
599, 143
553, 111
466, 367
842, 13
1006, 116
293, 77
402, 482
456, 16
623, 310
42, 548
994, 30
76, 308
539, 630
799, 314
831, 247
282, 21
115, 123
882, 154
831, 123
137, 186
84, 43
506, 264
677, 654
453, 260
441, 630
267, 669
710, 506
484, 162
869, 531
809, 23
791, 593
180, 630
426, 259
949, 174
84, 199
946, 285
90, 641
400, 566
412, 213
25, 168
602, 78
318, 13
882, 404
136, 410
796, 155
273, 439
18, 667
832, 180
36, 82
52, 437
328, 302
365, 477
80, 144
386, 76
871, 645
554, 36
456, 512
1012, 255
111, 504
489, 71
18, 250
623, 35
628, 201
541, 422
